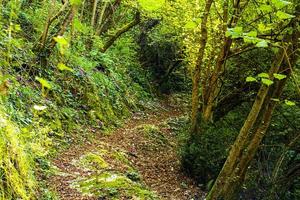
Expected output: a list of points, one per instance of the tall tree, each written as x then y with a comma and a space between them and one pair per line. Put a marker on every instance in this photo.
244, 148
199, 63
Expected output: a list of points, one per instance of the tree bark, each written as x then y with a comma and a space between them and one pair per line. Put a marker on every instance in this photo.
238, 160
94, 11
238, 146
197, 71
213, 85
123, 30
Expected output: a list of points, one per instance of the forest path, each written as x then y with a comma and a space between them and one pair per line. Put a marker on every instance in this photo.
136, 161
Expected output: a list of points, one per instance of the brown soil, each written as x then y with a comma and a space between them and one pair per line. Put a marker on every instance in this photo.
158, 165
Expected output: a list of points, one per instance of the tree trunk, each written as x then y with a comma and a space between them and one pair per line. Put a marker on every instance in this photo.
123, 30
213, 84
197, 71
93, 19
240, 156
238, 146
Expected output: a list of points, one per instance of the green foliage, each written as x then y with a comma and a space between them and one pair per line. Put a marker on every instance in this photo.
113, 185
250, 79
266, 81
203, 154
279, 76
151, 5
17, 180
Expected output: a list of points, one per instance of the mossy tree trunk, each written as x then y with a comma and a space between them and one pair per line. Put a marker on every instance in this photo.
242, 152
121, 31
197, 70
213, 82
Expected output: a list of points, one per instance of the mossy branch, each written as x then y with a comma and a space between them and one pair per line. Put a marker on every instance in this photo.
123, 30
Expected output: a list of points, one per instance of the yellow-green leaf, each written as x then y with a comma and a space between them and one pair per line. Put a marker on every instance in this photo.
151, 5
262, 43
43, 82
283, 15
267, 82
250, 79
63, 67
289, 103
263, 75
61, 40
279, 76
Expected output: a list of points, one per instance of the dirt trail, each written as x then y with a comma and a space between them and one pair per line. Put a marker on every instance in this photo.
157, 163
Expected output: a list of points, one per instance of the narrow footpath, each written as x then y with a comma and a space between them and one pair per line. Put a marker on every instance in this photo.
136, 161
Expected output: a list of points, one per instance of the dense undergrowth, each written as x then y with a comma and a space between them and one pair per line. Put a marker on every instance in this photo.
72, 69
43, 107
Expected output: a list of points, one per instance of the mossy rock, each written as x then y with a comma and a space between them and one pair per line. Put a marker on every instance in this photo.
113, 186
92, 161
122, 157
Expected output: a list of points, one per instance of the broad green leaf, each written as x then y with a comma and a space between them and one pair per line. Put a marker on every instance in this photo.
262, 43
235, 32
263, 75
63, 67
265, 27
250, 37
61, 40
279, 76
250, 79
252, 34
252, 40
62, 44
190, 25
75, 2
289, 103
267, 82
43, 82
266, 8
283, 15
280, 3
151, 5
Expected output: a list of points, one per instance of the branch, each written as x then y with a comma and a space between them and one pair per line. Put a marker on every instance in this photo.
123, 30
43, 37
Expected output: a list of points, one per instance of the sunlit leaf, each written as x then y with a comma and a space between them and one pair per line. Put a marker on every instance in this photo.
44, 82
262, 44
250, 79
280, 3
267, 82
264, 28
63, 67
151, 5
252, 34
279, 76
235, 32
266, 8
283, 15
289, 103
75, 2
190, 25
263, 75
61, 40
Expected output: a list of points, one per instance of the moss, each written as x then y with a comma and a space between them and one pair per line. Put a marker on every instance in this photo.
121, 156
153, 133
16, 165
113, 185
92, 161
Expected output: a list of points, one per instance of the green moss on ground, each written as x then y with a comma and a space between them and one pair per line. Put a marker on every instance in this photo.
153, 133
114, 186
